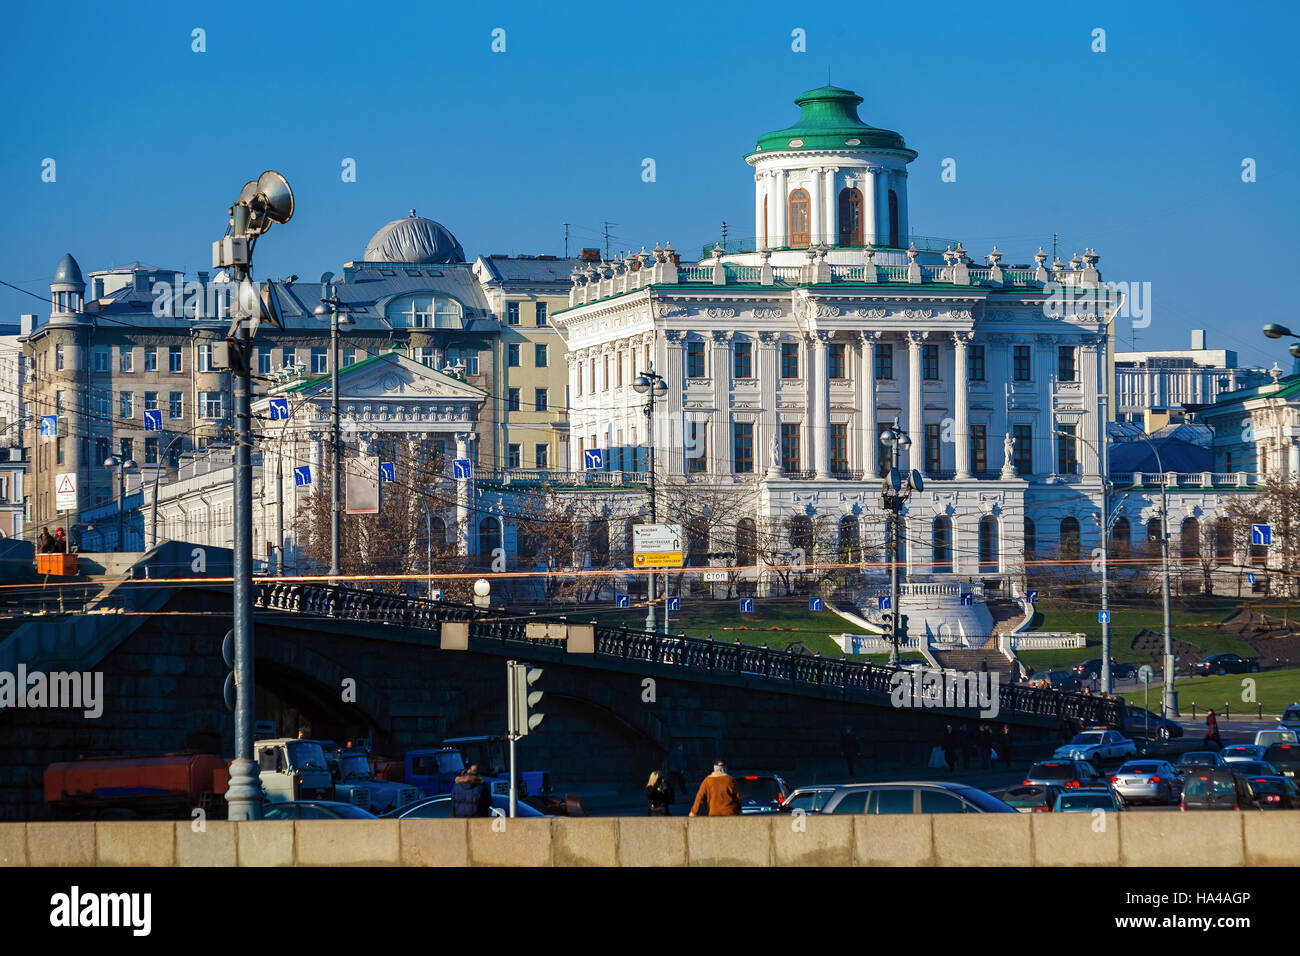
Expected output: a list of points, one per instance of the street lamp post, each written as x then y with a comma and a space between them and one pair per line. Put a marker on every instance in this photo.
894, 492
652, 385
337, 311
121, 466
1170, 692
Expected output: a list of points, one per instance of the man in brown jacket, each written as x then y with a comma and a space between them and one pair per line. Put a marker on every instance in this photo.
719, 795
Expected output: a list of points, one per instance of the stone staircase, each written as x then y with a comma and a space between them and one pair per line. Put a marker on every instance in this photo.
971, 659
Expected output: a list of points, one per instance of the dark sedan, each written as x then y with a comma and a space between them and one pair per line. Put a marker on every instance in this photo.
1225, 664
1285, 757
1274, 792
1091, 670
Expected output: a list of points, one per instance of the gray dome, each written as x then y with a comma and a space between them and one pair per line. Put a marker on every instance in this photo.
415, 240
69, 273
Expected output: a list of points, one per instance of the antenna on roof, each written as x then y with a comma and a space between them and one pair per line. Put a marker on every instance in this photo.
566, 240
607, 225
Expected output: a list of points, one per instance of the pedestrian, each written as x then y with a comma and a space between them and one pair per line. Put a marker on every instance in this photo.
1212, 730
849, 748
1015, 671
1004, 745
967, 741
44, 543
470, 796
658, 794
984, 666
984, 736
677, 769
950, 747
60, 542
719, 795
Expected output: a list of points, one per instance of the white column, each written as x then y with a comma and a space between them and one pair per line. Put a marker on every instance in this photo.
830, 234
900, 187
870, 189
819, 405
915, 410
766, 431
960, 400
464, 537
719, 436
779, 206
867, 402
815, 227
882, 211
760, 191
668, 410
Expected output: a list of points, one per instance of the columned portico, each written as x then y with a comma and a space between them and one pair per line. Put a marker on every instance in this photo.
915, 409
960, 400
867, 402
819, 406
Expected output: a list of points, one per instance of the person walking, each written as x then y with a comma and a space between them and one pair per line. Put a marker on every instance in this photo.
677, 769
849, 748
1004, 745
984, 738
1212, 730
44, 543
950, 747
719, 795
984, 666
967, 741
658, 794
470, 796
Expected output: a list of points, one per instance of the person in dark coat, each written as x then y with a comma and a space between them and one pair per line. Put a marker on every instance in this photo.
470, 796
849, 748
659, 795
1003, 746
1212, 730
44, 543
60, 542
967, 741
984, 741
950, 747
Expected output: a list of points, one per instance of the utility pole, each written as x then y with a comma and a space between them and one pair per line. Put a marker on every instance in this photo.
651, 384
607, 225
566, 240
894, 492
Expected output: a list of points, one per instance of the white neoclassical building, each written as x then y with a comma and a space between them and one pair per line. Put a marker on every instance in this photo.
785, 356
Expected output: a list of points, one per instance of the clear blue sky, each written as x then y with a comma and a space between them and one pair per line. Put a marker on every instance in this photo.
1136, 151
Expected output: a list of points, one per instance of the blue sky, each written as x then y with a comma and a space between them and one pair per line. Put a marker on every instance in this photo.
1136, 151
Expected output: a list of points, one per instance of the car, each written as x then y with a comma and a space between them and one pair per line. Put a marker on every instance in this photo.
1097, 745
1266, 738
439, 808
1087, 801
315, 810
1290, 719
1138, 722
1285, 757
1274, 792
906, 796
1196, 761
1091, 670
1214, 789
761, 792
1058, 680
1034, 798
1068, 774
1253, 768
1225, 664
1147, 780
1240, 752
807, 799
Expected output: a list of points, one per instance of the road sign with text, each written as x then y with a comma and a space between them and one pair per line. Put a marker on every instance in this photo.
657, 545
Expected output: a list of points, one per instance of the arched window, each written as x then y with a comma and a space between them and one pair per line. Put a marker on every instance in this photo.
1190, 544
697, 542
850, 548
746, 542
1153, 531
801, 534
799, 222
1223, 540
1031, 540
850, 217
598, 541
893, 218
1069, 537
1121, 538
941, 539
438, 531
988, 544
489, 538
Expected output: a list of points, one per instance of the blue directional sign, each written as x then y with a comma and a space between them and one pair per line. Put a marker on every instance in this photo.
1261, 534
388, 471
882, 603
279, 409
153, 419
1032, 595
967, 600
49, 426
746, 605
1103, 617
593, 458
302, 475
460, 468
1250, 579
814, 604
622, 600
675, 604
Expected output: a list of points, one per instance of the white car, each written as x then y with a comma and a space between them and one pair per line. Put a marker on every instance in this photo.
1236, 753
1267, 738
1096, 746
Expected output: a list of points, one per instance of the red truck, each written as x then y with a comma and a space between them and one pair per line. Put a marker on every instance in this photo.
151, 787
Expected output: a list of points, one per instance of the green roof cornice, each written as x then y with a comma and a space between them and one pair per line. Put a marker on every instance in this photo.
829, 120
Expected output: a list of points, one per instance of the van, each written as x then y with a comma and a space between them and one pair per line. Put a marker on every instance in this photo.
1266, 738
1209, 789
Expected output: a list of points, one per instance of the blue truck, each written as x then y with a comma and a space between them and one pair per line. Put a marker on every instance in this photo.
433, 770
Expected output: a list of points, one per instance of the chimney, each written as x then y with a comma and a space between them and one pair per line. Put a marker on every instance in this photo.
1198, 340
590, 255
139, 281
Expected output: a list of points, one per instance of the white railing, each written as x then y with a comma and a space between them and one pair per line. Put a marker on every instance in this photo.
1192, 479
788, 273
847, 273
1041, 641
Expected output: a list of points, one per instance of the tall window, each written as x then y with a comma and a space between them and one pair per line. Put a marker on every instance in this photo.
211, 404
151, 359
697, 443
790, 446
988, 545
1031, 540
539, 400
941, 541
58, 358
979, 449
512, 355
743, 361
789, 360
319, 362
540, 358
151, 451
425, 356
541, 455
930, 362
1065, 363
746, 542
850, 539
839, 448
150, 401
1024, 449
742, 447
512, 313
933, 447
850, 217
512, 400
541, 313
1021, 363
264, 361
884, 361
125, 358
175, 363
800, 223
126, 402
101, 362
695, 359
975, 363
176, 404
835, 360
1067, 455
514, 455
1069, 537
893, 219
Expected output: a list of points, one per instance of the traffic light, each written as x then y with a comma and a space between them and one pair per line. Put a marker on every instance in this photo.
228, 690
520, 700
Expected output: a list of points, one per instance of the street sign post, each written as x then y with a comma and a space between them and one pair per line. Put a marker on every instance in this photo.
279, 409
1103, 617
593, 458
622, 600
460, 468
1145, 673
814, 604
1032, 595
153, 419
388, 471
49, 426
674, 604
302, 475
1261, 534
883, 603
657, 546
746, 605
65, 491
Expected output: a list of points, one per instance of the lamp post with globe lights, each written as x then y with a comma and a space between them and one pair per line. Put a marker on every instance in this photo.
894, 492
338, 316
651, 385
121, 465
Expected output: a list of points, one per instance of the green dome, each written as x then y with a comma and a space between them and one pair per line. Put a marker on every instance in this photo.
830, 121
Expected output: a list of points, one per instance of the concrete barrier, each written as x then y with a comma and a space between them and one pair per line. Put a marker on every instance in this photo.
1250, 838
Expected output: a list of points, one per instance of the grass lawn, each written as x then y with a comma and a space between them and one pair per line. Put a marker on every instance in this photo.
777, 622
1274, 689
1195, 621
